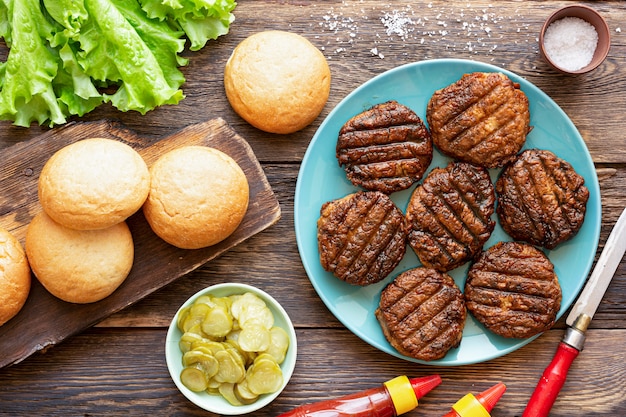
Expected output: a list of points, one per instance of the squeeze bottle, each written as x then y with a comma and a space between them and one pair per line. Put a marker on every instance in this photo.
479, 405
394, 397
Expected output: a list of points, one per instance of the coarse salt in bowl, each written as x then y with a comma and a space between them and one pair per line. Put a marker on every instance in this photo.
574, 39
216, 403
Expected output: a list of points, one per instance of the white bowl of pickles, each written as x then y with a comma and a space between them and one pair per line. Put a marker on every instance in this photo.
231, 349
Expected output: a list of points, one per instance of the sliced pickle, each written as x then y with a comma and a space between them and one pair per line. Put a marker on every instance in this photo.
256, 314
254, 338
195, 316
182, 315
228, 392
244, 394
230, 368
214, 386
218, 322
279, 343
187, 341
207, 362
245, 300
194, 378
208, 346
264, 376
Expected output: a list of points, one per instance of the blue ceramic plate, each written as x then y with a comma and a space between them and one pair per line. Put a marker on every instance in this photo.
321, 179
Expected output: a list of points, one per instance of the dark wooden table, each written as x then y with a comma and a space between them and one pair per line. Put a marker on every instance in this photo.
118, 367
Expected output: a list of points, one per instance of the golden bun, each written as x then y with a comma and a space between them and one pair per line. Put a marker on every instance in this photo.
198, 196
14, 276
277, 81
93, 184
79, 266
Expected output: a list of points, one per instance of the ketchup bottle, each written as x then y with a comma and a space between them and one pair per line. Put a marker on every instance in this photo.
396, 396
479, 405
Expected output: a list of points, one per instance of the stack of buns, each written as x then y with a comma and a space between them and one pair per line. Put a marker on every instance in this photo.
80, 247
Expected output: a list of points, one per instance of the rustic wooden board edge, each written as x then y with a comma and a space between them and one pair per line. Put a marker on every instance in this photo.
57, 320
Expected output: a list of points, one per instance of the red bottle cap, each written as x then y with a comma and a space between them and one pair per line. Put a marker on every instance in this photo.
422, 386
491, 396
405, 392
479, 405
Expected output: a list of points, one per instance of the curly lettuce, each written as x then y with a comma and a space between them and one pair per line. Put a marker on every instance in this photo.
201, 20
66, 57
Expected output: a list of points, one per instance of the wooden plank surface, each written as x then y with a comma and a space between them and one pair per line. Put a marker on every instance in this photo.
118, 367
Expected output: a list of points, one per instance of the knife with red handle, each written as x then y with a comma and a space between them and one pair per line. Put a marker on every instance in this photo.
577, 321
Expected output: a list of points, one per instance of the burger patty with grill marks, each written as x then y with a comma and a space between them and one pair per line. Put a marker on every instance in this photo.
361, 237
386, 148
422, 314
513, 291
449, 215
483, 118
541, 199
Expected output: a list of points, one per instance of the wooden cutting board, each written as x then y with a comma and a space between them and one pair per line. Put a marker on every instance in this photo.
45, 320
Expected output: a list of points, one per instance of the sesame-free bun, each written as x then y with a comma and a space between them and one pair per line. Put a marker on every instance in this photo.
79, 266
93, 184
198, 196
277, 81
14, 276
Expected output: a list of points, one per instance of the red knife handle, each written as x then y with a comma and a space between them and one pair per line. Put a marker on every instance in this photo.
551, 382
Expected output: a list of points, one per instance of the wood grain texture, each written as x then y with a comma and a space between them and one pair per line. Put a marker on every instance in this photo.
119, 381
117, 367
45, 320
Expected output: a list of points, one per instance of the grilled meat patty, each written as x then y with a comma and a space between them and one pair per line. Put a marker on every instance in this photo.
449, 215
386, 148
541, 199
361, 237
483, 118
422, 313
513, 291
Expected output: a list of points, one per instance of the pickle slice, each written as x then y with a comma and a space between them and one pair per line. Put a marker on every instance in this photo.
187, 341
245, 300
256, 314
207, 362
244, 394
254, 338
195, 316
279, 343
264, 376
230, 368
182, 315
194, 378
217, 322
228, 392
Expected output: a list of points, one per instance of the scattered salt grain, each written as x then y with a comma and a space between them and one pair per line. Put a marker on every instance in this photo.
570, 43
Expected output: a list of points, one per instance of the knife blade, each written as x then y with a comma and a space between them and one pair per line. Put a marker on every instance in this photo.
577, 321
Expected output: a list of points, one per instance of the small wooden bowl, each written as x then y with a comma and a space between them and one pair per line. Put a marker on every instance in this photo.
589, 15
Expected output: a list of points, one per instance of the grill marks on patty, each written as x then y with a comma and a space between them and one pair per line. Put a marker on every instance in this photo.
449, 215
483, 118
542, 200
361, 237
386, 148
422, 313
513, 290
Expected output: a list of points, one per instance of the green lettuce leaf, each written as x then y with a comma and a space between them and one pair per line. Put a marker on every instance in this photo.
201, 20
121, 45
27, 92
